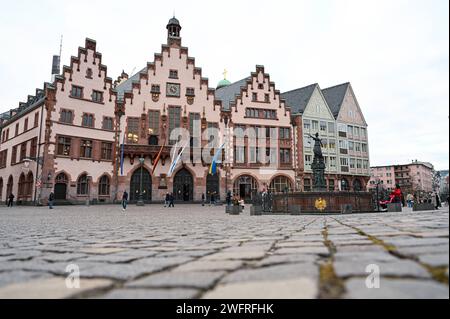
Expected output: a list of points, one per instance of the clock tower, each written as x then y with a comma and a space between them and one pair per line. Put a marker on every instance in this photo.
173, 28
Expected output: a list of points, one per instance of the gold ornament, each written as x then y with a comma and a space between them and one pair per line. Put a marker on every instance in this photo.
321, 204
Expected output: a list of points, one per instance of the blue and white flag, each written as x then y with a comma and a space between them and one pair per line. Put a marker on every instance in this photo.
175, 162
213, 167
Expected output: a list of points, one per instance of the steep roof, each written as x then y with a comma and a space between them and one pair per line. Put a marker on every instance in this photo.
127, 85
228, 93
298, 99
335, 96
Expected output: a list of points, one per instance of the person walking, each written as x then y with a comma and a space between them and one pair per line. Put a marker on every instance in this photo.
51, 198
410, 200
124, 200
171, 200
228, 199
203, 199
167, 200
11, 200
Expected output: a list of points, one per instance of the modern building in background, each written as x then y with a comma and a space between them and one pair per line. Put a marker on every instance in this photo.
413, 177
86, 137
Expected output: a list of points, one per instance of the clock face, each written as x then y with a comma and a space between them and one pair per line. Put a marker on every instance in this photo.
173, 89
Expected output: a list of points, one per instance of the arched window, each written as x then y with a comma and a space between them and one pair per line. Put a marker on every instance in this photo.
29, 184
82, 185
345, 186
61, 179
22, 182
103, 186
1, 189
280, 184
357, 186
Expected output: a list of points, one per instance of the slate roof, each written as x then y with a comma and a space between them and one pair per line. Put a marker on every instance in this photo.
335, 96
127, 85
228, 93
298, 99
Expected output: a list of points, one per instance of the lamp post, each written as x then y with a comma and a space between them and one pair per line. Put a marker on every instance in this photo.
226, 153
378, 196
140, 201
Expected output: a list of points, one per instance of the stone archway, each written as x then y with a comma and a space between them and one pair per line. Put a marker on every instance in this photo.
61, 182
135, 185
357, 186
183, 186
245, 186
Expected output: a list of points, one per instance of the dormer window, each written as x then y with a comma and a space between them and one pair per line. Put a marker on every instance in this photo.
155, 89
173, 74
190, 92
260, 86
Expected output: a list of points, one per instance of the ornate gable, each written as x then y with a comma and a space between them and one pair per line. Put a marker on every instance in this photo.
317, 106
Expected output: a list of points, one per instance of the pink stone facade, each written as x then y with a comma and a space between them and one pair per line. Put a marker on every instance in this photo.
88, 138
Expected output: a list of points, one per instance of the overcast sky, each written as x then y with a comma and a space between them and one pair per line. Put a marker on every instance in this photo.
395, 53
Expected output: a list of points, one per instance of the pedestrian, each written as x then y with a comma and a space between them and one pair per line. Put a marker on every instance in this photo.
11, 200
410, 200
203, 199
124, 200
51, 198
167, 199
436, 201
171, 200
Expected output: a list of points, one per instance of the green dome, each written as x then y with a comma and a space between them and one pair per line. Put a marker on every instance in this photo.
223, 83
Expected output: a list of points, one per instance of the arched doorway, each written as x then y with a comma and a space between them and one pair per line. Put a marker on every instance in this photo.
345, 186
9, 186
61, 187
280, 184
245, 186
213, 186
357, 186
21, 189
183, 186
135, 185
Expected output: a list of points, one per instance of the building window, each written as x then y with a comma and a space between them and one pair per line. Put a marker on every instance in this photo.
173, 74
133, 130
36, 119
351, 146
261, 86
89, 73
97, 96
308, 160
352, 163
104, 186
261, 113
363, 132
331, 129
315, 126
358, 147
307, 125
155, 89
254, 97
174, 121
106, 151
23, 151
66, 116
323, 126
266, 98
364, 148
64, 144
190, 92
108, 123
153, 122
280, 184
14, 155
285, 156
331, 185
307, 185
87, 120
77, 92
25, 125
86, 149
342, 130
33, 149
359, 164
17, 129
3, 157
333, 162
285, 133
239, 154
82, 185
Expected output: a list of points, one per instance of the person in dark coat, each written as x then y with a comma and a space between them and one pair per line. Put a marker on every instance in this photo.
171, 200
167, 200
228, 199
124, 200
11, 200
51, 198
203, 199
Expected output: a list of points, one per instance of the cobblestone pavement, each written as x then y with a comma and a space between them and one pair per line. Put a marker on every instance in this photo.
200, 252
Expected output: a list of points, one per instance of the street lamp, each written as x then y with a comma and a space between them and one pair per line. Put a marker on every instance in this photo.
140, 201
226, 153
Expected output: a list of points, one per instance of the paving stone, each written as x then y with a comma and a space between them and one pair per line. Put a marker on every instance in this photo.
278, 272
399, 268
17, 276
285, 259
238, 255
49, 288
201, 280
304, 250
366, 256
435, 260
208, 265
397, 289
299, 288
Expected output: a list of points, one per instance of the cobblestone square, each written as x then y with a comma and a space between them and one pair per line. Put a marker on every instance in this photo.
192, 251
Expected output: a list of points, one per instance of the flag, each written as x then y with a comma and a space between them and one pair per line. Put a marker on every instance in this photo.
213, 167
122, 155
158, 157
175, 161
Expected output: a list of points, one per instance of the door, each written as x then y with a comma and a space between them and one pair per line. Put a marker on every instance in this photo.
212, 186
60, 191
183, 186
135, 185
